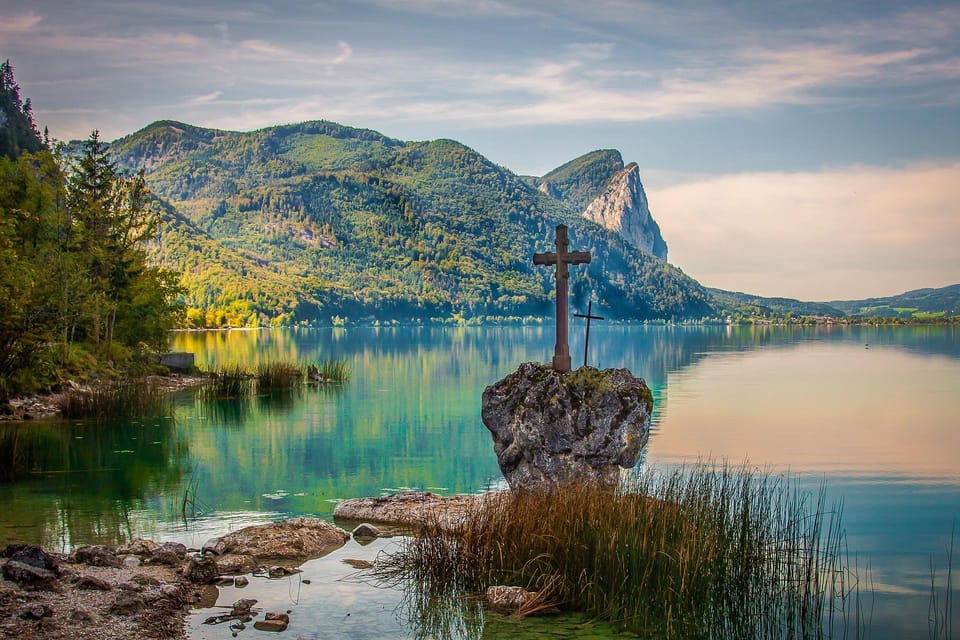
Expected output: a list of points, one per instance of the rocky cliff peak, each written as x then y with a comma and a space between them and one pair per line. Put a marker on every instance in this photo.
622, 207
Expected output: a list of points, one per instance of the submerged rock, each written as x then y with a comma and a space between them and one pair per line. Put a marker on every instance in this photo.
413, 508
293, 539
550, 427
509, 598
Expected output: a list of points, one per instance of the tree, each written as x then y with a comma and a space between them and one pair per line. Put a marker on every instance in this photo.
18, 132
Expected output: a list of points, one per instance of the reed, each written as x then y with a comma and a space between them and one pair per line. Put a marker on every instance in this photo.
231, 381
704, 552
125, 399
330, 370
279, 376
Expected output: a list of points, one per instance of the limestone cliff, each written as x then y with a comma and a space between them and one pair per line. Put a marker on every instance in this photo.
622, 207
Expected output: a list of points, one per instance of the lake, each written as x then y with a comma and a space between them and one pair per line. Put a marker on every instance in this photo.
872, 411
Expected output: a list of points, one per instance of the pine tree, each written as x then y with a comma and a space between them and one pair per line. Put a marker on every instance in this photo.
18, 132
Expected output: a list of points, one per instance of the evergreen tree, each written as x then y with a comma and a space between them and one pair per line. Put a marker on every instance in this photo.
18, 132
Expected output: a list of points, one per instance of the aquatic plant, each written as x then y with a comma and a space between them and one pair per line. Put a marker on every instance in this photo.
330, 370
277, 376
703, 552
231, 381
124, 399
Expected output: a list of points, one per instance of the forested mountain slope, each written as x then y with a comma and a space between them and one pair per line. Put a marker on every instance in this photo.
317, 222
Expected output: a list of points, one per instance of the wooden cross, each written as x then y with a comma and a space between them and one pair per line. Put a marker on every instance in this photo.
562, 257
589, 316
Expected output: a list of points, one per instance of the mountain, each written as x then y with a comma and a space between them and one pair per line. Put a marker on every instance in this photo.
317, 222
607, 192
944, 301
760, 305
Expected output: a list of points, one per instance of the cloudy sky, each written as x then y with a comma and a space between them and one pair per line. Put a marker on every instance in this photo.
802, 148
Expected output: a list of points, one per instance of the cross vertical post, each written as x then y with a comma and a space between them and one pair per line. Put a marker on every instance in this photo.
589, 316
562, 257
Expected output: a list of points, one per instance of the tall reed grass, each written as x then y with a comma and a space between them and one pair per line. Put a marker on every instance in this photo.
139, 397
699, 553
330, 371
278, 376
231, 381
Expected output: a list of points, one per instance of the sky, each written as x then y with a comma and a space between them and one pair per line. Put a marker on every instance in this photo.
798, 148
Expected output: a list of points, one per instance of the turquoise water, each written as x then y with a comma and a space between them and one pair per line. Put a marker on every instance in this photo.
873, 411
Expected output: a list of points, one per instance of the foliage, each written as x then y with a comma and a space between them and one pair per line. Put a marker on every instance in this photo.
702, 553
18, 132
72, 245
321, 223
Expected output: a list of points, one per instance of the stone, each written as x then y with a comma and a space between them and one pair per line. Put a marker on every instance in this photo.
236, 563
169, 553
145, 580
138, 547
216, 546
508, 598
132, 562
97, 556
414, 508
127, 603
365, 531
550, 427
201, 570
244, 605
32, 555
240, 582
83, 614
93, 583
34, 611
296, 538
29, 576
273, 622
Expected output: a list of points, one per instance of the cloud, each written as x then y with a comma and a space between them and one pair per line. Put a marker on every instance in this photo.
836, 234
19, 23
345, 53
205, 99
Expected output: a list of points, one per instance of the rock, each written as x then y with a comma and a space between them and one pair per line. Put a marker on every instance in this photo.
240, 582
82, 614
129, 586
296, 538
236, 563
29, 576
273, 622
93, 583
138, 547
172, 591
508, 598
127, 603
365, 531
145, 580
278, 571
34, 611
358, 564
413, 508
244, 605
623, 208
97, 556
169, 553
32, 555
201, 569
216, 546
551, 427
132, 562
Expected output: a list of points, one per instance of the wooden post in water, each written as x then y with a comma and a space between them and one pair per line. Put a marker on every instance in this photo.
562, 257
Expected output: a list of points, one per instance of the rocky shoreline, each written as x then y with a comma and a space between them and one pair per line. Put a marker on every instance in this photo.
146, 590
47, 406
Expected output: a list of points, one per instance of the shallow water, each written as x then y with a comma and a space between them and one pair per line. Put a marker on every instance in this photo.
873, 411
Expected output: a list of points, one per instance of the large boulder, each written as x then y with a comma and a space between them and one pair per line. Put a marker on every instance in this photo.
550, 427
293, 539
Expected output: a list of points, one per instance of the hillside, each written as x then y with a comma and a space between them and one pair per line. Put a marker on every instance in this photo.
317, 222
944, 301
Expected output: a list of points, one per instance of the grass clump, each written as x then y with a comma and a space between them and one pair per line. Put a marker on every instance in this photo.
123, 399
231, 381
329, 371
279, 376
705, 553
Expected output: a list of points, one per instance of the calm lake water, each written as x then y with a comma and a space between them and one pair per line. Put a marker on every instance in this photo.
875, 412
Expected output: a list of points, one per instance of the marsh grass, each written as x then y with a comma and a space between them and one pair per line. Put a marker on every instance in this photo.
231, 381
940, 619
703, 552
278, 376
138, 397
330, 370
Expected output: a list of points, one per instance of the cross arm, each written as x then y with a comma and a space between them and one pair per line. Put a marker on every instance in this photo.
576, 257
544, 258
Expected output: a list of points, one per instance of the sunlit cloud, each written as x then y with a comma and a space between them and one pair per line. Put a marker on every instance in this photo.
837, 234
205, 99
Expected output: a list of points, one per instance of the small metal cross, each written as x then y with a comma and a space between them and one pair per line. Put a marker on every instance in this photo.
589, 316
